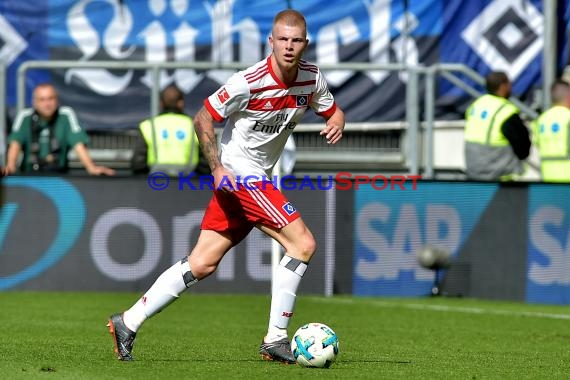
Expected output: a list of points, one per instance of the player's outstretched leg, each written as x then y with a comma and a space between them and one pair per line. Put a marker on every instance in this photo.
122, 337
166, 289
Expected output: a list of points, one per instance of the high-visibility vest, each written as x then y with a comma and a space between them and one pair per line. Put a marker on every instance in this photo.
174, 142
484, 119
551, 131
483, 122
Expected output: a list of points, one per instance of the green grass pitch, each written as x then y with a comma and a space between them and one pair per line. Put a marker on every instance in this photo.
63, 336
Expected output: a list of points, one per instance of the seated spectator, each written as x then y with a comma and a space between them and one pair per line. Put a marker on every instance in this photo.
45, 134
168, 142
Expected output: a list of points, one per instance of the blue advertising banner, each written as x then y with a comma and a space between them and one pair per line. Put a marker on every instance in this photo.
23, 37
119, 234
548, 276
392, 226
485, 35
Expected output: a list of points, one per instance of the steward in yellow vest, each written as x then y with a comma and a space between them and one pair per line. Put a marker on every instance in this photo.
496, 139
552, 134
168, 142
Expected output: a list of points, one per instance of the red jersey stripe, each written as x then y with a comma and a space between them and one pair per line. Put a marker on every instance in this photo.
262, 89
257, 77
279, 103
260, 68
276, 87
310, 68
302, 62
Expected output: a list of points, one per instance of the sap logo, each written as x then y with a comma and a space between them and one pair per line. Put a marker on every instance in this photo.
550, 242
391, 237
70, 208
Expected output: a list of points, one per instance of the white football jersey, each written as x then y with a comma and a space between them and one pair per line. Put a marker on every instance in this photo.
261, 113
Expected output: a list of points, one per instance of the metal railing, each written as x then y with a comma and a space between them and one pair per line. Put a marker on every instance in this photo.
411, 125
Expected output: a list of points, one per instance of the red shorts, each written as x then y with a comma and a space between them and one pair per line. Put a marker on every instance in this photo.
238, 212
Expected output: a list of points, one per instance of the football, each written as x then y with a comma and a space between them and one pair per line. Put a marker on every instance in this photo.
315, 345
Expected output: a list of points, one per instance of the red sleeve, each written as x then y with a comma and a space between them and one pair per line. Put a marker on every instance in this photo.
328, 113
212, 111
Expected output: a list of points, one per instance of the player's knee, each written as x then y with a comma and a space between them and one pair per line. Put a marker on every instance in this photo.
311, 247
308, 248
201, 269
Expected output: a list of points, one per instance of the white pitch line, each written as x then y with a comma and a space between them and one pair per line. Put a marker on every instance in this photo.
444, 308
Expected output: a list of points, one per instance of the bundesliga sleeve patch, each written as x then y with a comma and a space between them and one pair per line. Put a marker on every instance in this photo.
289, 208
223, 95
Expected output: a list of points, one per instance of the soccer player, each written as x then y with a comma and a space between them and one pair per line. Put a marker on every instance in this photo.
261, 106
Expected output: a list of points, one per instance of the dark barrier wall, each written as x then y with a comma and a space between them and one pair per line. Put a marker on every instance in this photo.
119, 234
507, 241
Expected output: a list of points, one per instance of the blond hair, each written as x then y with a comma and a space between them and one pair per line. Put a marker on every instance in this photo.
291, 17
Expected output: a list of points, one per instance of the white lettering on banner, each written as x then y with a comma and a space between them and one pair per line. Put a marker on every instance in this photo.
12, 44
182, 229
328, 50
258, 246
250, 35
391, 255
346, 29
152, 244
221, 15
155, 41
184, 38
85, 36
379, 13
405, 48
155, 38
556, 270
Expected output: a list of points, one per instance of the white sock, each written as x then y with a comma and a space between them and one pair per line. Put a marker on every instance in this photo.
288, 277
165, 290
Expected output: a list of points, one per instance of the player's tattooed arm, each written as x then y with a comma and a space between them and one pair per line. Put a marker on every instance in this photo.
204, 126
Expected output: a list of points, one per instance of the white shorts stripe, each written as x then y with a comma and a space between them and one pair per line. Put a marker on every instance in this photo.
264, 207
273, 208
268, 207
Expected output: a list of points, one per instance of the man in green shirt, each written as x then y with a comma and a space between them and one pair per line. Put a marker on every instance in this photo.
45, 134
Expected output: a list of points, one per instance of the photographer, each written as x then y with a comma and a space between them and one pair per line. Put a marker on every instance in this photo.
45, 134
